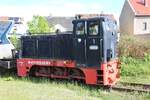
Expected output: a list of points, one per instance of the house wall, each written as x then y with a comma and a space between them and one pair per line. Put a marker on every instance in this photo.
139, 25
126, 19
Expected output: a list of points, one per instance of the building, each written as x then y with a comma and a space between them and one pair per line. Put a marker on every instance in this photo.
19, 27
135, 18
61, 24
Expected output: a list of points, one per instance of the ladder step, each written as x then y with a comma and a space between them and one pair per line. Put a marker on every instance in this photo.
99, 75
100, 72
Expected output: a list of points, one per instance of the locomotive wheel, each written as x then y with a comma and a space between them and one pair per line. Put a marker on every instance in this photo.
58, 71
76, 72
32, 71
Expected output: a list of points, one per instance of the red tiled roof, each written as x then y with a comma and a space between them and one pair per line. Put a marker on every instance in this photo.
140, 8
3, 17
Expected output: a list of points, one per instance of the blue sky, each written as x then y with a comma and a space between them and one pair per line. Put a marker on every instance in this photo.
27, 8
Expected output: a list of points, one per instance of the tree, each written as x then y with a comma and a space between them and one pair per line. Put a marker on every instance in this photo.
15, 41
39, 25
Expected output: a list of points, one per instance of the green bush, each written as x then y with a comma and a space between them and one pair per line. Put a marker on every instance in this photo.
15, 41
130, 46
135, 67
134, 54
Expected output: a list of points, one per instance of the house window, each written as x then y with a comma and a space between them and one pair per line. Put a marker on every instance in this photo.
145, 26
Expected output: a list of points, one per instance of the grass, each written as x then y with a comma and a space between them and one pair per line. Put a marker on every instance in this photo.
134, 54
138, 79
135, 67
12, 88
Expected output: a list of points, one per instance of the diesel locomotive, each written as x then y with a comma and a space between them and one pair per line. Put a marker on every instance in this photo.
88, 53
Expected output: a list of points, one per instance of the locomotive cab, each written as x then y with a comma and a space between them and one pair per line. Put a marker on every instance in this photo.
95, 41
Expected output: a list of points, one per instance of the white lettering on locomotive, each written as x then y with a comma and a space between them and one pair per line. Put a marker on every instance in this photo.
39, 62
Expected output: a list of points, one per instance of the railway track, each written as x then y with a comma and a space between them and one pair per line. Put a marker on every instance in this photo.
132, 87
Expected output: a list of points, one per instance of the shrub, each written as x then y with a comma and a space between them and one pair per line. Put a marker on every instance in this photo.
130, 46
135, 56
135, 67
15, 41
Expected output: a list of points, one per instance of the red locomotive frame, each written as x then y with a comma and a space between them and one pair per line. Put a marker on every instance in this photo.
106, 74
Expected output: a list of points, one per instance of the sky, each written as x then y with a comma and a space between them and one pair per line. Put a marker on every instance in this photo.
28, 8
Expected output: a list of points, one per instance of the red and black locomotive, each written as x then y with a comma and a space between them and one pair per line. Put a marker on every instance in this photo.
88, 53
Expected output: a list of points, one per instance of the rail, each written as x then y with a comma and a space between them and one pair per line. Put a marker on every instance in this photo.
132, 87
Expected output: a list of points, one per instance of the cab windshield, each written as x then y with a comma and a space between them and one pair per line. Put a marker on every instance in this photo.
80, 28
93, 27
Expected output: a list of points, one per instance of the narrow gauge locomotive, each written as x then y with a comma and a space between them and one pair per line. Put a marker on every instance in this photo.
88, 53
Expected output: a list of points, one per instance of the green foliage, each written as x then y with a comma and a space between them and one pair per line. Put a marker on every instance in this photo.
147, 58
135, 56
130, 46
139, 79
135, 67
39, 25
15, 41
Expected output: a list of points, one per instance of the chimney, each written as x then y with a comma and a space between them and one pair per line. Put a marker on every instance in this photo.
144, 2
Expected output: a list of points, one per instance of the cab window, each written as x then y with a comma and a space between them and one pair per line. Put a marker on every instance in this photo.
80, 28
93, 27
